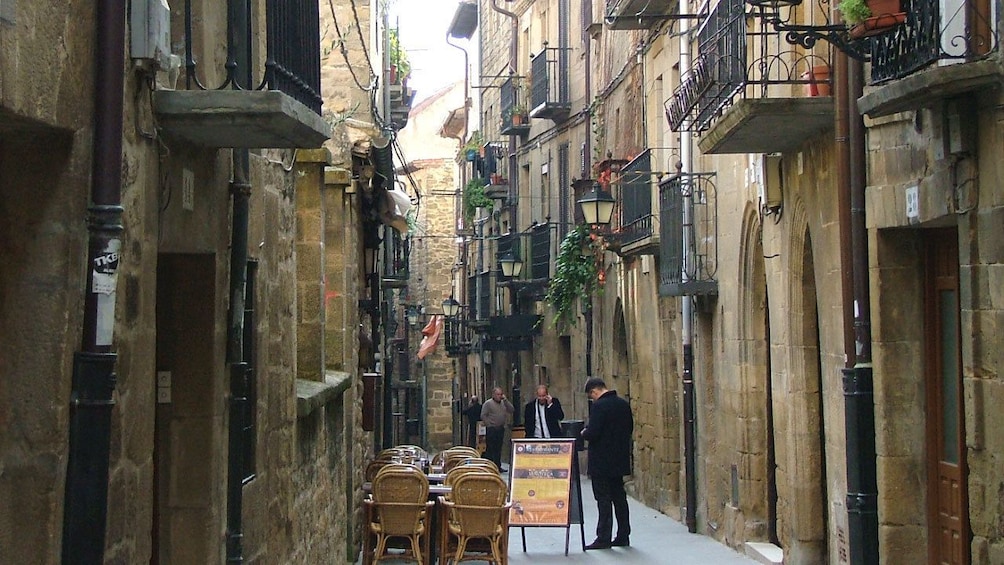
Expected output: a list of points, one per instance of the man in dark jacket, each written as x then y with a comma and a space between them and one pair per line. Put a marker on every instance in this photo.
473, 414
609, 435
542, 416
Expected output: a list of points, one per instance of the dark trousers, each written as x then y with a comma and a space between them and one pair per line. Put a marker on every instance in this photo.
472, 435
610, 500
493, 444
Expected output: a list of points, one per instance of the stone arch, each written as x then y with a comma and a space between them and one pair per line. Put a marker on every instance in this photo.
806, 507
755, 496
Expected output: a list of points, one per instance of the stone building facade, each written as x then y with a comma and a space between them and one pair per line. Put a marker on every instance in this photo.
850, 245
184, 483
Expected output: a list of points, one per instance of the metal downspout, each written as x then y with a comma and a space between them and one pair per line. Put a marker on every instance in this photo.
85, 509
239, 55
687, 306
859, 403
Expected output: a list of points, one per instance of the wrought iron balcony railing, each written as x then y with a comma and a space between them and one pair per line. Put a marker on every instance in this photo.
396, 267
458, 335
682, 271
944, 31
737, 59
549, 84
515, 117
636, 199
639, 14
292, 51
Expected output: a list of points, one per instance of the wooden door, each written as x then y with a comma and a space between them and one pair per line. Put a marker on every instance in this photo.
948, 507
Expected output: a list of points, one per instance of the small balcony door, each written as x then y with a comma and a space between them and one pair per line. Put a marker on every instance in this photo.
948, 500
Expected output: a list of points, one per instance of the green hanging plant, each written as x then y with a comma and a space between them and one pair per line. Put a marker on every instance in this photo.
575, 275
474, 198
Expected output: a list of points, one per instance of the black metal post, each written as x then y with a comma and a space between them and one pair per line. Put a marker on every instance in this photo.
859, 404
689, 437
93, 381
589, 336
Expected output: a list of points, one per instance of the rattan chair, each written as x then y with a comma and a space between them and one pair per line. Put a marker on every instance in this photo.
476, 510
399, 507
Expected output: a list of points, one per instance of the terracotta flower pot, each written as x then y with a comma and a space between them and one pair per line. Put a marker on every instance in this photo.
819, 81
885, 15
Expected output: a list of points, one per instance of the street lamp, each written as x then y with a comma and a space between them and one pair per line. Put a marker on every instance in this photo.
597, 206
511, 266
451, 307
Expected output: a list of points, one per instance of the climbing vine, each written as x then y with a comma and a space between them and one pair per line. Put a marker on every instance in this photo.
575, 274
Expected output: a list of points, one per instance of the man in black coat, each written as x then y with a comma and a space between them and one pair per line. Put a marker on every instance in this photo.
609, 435
473, 414
542, 416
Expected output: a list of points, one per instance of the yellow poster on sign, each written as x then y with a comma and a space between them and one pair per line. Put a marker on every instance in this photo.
540, 482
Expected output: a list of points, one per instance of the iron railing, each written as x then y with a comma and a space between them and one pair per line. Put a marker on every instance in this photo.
636, 199
699, 263
399, 250
512, 102
718, 73
934, 30
292, 50
549, 77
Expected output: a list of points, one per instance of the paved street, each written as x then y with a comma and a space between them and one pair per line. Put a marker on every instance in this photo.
655, 539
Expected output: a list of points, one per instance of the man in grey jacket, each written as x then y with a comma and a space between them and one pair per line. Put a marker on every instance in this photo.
495, 413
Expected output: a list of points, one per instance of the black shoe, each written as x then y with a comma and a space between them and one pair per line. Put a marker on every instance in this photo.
598, 545
621, 542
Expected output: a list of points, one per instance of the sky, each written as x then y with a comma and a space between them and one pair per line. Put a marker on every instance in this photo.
423, 25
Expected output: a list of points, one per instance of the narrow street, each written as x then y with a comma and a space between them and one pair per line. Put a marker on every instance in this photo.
655, 539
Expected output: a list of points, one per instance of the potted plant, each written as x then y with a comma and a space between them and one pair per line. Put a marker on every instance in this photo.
518, 116
473, 145
475, 197
400, 67
871, 17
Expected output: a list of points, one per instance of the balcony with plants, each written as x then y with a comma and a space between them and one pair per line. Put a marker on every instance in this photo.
398, 71
515, 115
639, 14
930, 50
230, 104
747, 79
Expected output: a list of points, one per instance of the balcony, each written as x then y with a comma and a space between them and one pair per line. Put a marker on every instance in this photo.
281, 109
396, 270
401, 99
549, 84
511, 333
939, 52
639, 14
638, 233
457, 336
683, 271
515, 119
748, 81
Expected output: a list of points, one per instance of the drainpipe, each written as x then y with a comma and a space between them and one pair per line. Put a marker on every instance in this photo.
512, 172
239, 59
85, 509
687, 306
859, 403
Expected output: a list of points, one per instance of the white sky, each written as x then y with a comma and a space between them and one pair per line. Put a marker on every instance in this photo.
423, 25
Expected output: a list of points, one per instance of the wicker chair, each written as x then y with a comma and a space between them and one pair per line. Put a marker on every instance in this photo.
476, 510
400, 508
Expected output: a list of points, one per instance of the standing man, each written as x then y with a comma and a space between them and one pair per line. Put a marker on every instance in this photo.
495, 413
609, 436
473, 414
542, 416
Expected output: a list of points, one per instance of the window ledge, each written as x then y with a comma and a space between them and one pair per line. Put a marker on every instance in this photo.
311, 395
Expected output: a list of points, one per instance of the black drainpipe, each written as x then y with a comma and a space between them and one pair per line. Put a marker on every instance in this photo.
240, 188
859, 404
239, 69
85, 509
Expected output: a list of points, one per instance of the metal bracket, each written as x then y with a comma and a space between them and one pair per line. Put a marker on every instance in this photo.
837, 35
